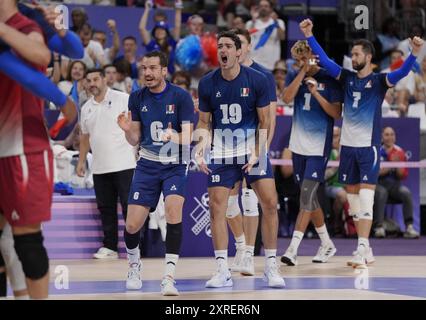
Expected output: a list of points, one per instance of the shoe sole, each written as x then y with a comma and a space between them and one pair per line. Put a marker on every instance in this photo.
133, 288
170, 293
288, 261
105, 258
330, 256
350, 264
277, 286
228, 283
235, 269
247, 273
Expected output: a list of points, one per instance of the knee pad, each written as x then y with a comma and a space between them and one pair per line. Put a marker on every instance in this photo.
308, 195
354, 206
33, 255
233, 208
366, 199
250, 203
174, 238
11, 260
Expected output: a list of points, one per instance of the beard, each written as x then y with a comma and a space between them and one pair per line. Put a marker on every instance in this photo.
360, 66
95, 91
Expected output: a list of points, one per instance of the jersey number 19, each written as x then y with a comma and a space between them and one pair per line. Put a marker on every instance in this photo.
231, 113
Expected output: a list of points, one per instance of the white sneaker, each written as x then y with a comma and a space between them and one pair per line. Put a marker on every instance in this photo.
222, 278
105, 253
362, 258
247, 265
289, 257
273, 276
325, 252
134, 281
238, 260
168, 287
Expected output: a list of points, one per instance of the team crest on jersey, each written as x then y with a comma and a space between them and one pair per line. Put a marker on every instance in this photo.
368, 85
218, 94
245, 92
170, 109
321, 86
144, 109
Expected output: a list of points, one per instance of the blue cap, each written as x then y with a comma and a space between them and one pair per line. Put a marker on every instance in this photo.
162, 25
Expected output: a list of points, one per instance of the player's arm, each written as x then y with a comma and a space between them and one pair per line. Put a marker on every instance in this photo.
291, 90
272, 121
393, 77
203, 131
146, 37
178, 19
115, 39
30, 46
333, 109
84, 149
332, 68
132, 129
37, 83
263, 128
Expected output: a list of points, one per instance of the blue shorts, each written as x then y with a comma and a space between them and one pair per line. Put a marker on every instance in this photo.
151, 178
309, 167
228, 174
359, 165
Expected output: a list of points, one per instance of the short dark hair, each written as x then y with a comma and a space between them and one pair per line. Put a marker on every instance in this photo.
161, 55
98, 31
396, 50
129, 38
232, 36
108, 66
182, 74
99, 70
243, 32
366, 45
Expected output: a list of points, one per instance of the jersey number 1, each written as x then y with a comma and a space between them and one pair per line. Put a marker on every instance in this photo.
231, 113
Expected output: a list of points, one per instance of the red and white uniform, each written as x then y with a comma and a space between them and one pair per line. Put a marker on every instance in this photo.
26, 162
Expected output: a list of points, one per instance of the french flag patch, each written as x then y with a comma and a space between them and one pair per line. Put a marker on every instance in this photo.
245, 92
170, 109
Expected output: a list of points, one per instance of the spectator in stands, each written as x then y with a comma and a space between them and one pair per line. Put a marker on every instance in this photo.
390, 188
334, 189
420, 80
160, 38
238, 22
101, 37
196, 25
399, 95
93, 51
226, 14
110, 75
182, 79
79, 18
267, 33
416, 31
129, 48
124, 81
113, 158
388, 41
74, 85
280, 73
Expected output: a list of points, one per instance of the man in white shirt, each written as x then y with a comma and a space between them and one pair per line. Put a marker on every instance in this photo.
266, 33
113, 157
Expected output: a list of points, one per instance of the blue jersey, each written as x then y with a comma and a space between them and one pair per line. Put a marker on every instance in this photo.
312, 127
271, 80
362, 111
155, 111
233, 105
